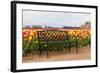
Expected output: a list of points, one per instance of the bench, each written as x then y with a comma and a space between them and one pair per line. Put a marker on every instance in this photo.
45, 37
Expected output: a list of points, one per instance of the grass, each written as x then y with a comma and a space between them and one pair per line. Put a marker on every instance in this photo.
33, 46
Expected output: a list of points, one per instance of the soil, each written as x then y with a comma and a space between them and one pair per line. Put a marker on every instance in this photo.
83, 54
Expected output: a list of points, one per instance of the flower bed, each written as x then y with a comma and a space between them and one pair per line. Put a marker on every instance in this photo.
30, 41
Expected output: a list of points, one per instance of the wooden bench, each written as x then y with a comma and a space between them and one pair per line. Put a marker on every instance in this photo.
47, 36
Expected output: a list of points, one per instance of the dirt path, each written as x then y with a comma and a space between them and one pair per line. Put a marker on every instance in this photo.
84, 53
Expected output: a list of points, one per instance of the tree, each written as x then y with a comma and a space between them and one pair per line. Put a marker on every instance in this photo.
26, 27
36, 26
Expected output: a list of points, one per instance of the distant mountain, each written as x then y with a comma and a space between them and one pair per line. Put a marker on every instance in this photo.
86, 25
69, 27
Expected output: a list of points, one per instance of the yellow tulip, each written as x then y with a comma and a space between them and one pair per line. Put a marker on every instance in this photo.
30, 38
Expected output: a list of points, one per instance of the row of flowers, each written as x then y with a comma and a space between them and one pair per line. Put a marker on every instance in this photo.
30, 34
30, 42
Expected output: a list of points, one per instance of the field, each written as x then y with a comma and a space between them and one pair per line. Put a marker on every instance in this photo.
31, 47
84, 54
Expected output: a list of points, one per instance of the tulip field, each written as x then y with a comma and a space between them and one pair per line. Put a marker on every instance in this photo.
31, 45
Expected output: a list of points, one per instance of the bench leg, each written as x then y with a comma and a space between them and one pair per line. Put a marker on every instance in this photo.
69, 46
76, 45
39, 53
47, 50
47, 54
77, 49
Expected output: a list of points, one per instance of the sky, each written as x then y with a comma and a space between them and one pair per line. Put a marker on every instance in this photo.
54, 19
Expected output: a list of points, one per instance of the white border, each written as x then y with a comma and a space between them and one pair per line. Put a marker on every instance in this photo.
35, 65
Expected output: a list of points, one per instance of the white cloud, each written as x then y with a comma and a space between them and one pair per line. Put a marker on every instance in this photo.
54, 19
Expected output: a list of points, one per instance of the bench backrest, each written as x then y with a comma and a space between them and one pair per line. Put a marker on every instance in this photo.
52, 35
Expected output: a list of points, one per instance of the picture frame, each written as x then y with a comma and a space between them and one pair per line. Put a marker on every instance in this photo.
25, 13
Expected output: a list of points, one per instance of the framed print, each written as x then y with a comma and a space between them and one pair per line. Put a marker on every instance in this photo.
48, 36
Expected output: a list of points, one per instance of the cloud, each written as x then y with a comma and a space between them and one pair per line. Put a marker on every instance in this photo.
54, 19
